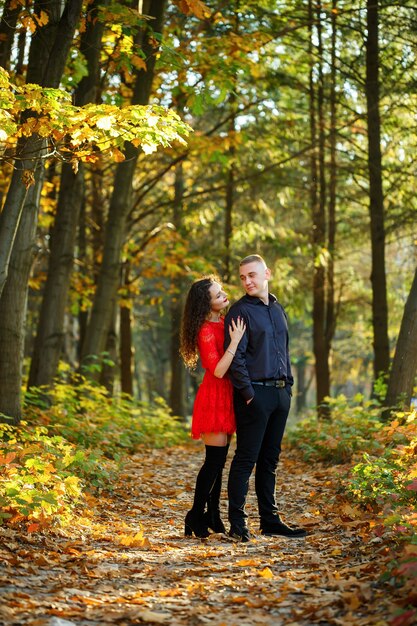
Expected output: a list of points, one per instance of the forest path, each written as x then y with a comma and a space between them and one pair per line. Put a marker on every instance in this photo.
127, 562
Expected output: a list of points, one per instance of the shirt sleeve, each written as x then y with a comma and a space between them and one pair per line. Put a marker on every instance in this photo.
289, 376
238, 372
209, 352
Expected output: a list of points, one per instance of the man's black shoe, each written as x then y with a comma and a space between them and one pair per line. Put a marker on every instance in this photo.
279, 528
239, 534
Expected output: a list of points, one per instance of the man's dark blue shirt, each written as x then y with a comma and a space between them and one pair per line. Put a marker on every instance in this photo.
262, 353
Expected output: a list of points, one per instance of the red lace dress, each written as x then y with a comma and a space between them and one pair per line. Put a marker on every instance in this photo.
213, 405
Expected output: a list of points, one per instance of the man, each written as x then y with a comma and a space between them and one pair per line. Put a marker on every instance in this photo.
262, 380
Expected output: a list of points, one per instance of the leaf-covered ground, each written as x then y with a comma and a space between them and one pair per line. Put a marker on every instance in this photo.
125, 559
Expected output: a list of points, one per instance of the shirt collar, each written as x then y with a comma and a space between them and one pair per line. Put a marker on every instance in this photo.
256, 300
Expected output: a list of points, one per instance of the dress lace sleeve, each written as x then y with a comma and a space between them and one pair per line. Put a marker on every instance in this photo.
209, 351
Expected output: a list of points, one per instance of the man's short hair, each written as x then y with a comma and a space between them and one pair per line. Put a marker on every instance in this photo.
252, 258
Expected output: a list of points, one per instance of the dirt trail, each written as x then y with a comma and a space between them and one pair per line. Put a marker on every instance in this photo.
127, 562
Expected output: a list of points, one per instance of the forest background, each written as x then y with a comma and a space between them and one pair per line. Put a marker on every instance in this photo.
302, 142
144, 144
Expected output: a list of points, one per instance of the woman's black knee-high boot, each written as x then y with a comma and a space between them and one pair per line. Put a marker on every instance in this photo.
213, 518
195, 520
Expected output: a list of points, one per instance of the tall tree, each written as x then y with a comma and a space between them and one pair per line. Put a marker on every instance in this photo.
48, 53
230, 196
376, 196
120, 205
319, 223
323, 170
126, 345
322, 198
176, 399
47, 57
50, 331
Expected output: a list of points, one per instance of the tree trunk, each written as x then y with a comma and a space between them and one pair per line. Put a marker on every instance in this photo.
82, 254
51, 43
321, 343
15, 201
13, 307
318, 208
21, 47
314, 203
228, 221
404, 366
376, 199
50, 332
109, 275
331, 228
108, 371
302, 386
48, 52
54, 39
230, 194
115, 232
126, 346
323, 205
7, 31
176, 396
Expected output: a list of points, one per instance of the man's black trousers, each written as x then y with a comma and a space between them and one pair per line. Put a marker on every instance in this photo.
260, 428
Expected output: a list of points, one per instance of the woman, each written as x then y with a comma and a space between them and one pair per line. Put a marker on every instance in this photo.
202, 332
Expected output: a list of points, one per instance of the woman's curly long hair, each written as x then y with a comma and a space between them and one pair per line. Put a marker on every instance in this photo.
196, 309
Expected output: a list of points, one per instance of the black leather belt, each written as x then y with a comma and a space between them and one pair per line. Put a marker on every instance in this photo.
270, 383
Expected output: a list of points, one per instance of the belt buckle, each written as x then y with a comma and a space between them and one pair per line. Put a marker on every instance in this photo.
280, 384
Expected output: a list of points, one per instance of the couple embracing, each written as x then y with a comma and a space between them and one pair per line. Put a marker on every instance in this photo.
246, 388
